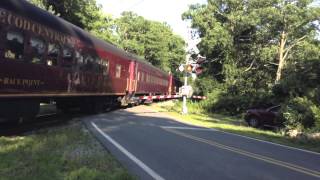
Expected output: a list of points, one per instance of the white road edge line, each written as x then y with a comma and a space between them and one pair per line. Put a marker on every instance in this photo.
187, 128
216, 130
148, 170
288, 147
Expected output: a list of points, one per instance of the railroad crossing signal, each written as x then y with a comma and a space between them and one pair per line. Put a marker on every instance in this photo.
189, 68
199, 70
181, 68
193, 66
186, 91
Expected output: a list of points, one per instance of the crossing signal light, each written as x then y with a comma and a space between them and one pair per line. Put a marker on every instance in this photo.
189, 68
199, 70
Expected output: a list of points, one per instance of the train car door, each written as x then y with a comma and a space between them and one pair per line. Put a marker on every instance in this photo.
132, 77
170, 83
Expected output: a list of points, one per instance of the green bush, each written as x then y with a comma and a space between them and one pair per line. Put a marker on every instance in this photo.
237, 104
316, 113
205, 85
299, 79
298, 92
211, 99
195, 107
299, 113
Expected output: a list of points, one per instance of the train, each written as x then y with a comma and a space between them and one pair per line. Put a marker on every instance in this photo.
44, 58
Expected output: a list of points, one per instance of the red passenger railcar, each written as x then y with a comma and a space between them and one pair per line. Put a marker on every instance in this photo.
44, 58
151, 80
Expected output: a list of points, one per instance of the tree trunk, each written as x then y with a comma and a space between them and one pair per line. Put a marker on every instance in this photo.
281, 56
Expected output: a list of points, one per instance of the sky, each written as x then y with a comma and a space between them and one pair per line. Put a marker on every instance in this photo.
169, 11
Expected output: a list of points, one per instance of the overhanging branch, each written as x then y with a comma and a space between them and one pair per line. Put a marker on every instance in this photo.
293, 45
250, 67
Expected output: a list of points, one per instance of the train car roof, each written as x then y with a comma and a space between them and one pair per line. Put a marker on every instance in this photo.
26, 9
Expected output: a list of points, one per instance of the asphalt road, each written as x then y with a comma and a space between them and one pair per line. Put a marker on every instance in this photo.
153, 146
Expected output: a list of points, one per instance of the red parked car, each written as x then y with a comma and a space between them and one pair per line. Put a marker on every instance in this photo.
263, 117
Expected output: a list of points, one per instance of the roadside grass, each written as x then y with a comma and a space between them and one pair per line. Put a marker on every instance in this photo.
69, 152
233, 125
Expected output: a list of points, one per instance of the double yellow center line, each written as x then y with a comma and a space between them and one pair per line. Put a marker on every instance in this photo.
249, 154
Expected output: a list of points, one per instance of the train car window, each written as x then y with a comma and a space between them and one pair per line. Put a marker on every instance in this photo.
96, 65
118, 71
142, 76
88, 63
67, 57
105, 66
139, 77
148, 78
79, 59
37, 50
53, 54
14, 46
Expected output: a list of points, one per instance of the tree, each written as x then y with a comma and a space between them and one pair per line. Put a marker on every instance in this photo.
151, 40
41, 4
103, 28
227, 32
244, 40
131, 30
292, 22
85, 14
162, 47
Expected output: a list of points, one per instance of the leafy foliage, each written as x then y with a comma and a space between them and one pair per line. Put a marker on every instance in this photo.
153, 41
301, 80
242, 37
300, 113
252, 44
41, 4
85, 14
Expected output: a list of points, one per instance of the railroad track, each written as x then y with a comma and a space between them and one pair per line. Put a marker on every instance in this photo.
42, 121
49, 117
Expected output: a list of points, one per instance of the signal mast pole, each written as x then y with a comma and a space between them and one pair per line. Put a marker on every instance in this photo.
184, 104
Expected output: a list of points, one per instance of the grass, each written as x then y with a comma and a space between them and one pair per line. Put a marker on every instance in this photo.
69, 152
234, 125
